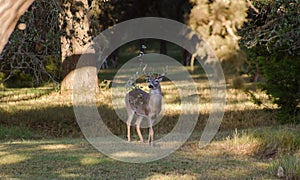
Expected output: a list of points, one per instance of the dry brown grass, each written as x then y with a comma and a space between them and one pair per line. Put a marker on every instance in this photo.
52, 114
232, 155
240, 112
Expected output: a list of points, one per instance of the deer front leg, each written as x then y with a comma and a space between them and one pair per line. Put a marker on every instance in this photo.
129, 119
138, 127
151, 133
150, 138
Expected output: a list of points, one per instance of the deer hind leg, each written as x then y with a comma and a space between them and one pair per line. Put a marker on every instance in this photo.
129, 119
138, 127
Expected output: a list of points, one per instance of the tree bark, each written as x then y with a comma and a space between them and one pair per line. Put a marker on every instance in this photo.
10, 12
75, 37
163, 47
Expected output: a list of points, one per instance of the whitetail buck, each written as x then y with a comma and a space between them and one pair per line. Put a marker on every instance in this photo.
146, 105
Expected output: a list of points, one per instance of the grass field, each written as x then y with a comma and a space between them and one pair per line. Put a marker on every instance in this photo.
39, 138
232, 157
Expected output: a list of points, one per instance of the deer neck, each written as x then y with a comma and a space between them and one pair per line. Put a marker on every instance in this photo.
156, 91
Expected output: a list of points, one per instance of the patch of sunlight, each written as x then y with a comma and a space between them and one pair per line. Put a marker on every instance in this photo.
129, 154
3, 153
56, 146
171, 177
2, 147
173, 107
89, 161
242, 106
12, 159
70, 175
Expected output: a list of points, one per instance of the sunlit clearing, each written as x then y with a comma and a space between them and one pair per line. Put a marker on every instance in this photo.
12, 159
171, 176
89, 161
56, 146
70, 175
129, 154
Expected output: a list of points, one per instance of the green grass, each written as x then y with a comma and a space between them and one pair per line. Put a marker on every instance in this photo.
290, 165
16, 132
267, 142
75, 158
224, 158
40, 138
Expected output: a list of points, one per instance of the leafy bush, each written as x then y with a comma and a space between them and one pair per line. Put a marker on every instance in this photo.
283, 85
19, 79
273, 51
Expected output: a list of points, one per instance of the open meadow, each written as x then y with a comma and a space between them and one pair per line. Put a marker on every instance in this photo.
217, 80
39, 138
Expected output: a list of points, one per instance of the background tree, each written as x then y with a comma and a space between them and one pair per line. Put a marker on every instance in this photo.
271, 38
75, 38
175, 10
10, 12
31, 57
217, 22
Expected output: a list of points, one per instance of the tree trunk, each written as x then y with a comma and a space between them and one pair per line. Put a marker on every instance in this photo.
163, 47
186, 56
10, 12
74, 27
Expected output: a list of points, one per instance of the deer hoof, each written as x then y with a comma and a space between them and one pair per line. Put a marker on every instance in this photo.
151, 144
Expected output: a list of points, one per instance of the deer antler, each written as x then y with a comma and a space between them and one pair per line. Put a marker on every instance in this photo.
165, 71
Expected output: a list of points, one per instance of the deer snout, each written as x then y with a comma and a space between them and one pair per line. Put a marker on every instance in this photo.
150, 86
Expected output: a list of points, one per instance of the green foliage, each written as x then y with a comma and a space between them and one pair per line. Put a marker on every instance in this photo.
271, 37
25, 57
2, 76
283, 85
53, 66
253, 98
19, 79
274, 26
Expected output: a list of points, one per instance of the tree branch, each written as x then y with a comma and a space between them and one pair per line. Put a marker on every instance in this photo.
10, 12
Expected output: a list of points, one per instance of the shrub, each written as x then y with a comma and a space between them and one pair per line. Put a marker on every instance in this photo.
290, 165
283, 86
265, 143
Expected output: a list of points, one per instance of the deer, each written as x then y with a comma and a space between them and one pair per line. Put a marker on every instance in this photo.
145, 105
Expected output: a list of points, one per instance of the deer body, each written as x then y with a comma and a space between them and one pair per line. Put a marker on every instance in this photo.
144, 105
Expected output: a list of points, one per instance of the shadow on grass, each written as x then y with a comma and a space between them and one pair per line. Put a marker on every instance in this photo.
75, 158
46, 122
60, 121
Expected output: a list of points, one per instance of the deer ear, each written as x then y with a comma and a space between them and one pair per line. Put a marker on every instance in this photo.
160, 78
